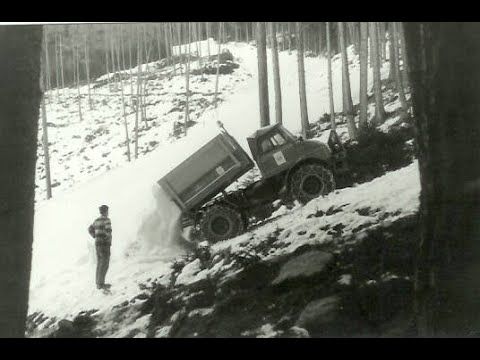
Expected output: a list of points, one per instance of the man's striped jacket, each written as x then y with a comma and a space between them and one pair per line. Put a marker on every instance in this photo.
101, 230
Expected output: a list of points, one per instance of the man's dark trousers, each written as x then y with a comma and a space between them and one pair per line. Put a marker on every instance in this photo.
103, 260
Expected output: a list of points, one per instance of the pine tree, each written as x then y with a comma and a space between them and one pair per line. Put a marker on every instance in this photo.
187, 78
139, 87
276, 74
46, 152
79, 95
215, 99
363, 121
20, 97
57, 68
301, 81
404, 72
262, 74
346, 91
443, 63
330, 85
61, 59
398, 78
87, 67
125, 122
392, 57
377, 85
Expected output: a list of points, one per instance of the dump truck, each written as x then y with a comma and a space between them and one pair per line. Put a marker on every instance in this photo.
291, 168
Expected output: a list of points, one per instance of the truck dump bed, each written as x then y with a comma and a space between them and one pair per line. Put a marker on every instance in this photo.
207, 172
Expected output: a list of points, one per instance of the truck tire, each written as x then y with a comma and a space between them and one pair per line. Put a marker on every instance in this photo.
220, 223
310, 181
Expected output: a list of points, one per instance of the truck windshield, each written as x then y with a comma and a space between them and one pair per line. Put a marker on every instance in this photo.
272, 141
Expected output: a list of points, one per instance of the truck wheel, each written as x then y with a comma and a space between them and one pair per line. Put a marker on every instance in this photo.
311, 181
220, 223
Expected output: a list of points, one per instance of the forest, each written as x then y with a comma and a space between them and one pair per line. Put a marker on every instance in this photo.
417, 80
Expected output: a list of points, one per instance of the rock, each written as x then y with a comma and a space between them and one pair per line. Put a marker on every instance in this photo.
65, 325
142, 296
319, 313
305, 265
163, 332
297, 332
66, 329
191, 274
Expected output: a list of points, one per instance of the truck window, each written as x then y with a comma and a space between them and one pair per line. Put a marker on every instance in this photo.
266, 145
278, 140
272, 142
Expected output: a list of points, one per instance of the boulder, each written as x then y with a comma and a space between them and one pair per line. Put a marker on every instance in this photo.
319, 314
305, 265
297, 332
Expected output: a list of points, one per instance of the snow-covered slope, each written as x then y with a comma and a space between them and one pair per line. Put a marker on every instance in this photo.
143, 219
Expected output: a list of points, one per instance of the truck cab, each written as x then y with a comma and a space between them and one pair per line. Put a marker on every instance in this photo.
275, 150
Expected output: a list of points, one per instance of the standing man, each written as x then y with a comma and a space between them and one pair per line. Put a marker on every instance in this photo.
101, 230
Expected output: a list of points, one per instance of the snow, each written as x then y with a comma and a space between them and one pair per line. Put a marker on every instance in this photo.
200, 312
89, 168
345, 279
385, 195
191, 273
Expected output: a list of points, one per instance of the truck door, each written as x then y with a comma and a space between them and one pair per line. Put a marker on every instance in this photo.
276, 153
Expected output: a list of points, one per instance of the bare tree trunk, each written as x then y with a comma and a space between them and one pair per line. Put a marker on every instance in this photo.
61, 61
87, 68
20, 97
215, 98
46, 153
166, 41
330, 85
139, 87
208, 39
224, 37
276, 75
398, 78
144, 87
377, 85
57, 67
106, 56
199, 45
47, 62
363, 122
179, 42
130, 36
172, 43
445, 82
125, 122
393, 58
356, 31
122, 46
74, 66
187, 79
301, 81
146, 51
382, 26
79, 96
159, 34
262, 74
115, 70
346, 91
403, 48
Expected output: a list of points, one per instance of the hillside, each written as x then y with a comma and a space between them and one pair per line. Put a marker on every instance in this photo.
143, 271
